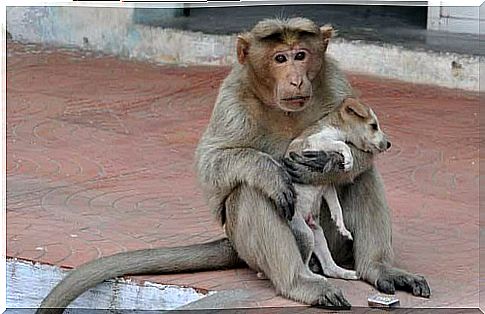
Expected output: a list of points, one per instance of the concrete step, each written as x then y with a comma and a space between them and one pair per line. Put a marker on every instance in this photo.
28, 283
401, 51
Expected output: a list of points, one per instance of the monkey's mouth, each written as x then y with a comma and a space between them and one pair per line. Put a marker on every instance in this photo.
296, 98
297, 101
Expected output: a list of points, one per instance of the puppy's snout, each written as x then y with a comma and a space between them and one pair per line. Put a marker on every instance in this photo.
384, 145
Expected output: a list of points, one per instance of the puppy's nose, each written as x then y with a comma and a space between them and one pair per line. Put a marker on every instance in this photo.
388, 145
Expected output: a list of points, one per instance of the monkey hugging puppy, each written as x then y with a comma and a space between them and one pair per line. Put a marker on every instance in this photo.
283, 83
354, 123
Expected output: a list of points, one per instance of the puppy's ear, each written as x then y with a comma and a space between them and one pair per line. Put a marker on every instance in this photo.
353, 107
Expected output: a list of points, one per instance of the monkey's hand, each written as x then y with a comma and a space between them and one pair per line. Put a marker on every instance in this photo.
326, 167
312, 167
281, 191
222, 169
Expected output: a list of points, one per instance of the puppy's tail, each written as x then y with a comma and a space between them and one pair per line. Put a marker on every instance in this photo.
213, 255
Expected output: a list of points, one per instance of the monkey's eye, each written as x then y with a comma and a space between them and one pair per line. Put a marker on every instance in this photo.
374, 126
300, 56
280, 58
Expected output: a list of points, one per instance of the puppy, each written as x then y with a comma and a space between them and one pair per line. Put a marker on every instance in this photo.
352, 122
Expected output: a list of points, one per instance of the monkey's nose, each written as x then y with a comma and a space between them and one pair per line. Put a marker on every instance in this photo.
296, 82
388, 145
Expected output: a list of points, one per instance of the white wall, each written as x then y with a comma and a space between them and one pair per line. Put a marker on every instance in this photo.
112, 31
457, 19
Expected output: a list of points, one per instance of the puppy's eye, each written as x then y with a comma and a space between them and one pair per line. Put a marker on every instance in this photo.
300, 56
280, 58
374, 126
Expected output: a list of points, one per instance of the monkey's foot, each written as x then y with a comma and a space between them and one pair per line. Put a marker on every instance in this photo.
393, 278
317, 291
332, 298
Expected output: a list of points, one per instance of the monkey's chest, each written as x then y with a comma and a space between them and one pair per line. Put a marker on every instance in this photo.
275, 145
275, 141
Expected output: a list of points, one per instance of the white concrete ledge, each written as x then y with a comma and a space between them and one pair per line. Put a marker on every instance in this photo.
28, 284
112, 31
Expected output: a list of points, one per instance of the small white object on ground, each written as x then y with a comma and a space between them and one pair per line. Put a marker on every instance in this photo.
382, 300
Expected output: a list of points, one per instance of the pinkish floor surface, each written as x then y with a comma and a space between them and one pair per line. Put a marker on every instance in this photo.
100, 160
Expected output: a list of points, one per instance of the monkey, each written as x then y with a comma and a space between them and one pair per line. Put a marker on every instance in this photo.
239, 164
351, 122
282, 82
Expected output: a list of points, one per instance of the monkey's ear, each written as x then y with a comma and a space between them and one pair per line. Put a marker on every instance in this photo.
352, 106
327, 31
242, 46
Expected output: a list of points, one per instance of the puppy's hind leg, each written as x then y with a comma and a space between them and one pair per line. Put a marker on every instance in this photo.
303, 236
330, 195
330, 268
369, 219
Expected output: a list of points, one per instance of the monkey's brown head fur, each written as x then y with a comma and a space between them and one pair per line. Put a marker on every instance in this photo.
283, 59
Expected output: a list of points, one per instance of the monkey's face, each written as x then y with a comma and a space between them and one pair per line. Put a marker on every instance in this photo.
292, 71
362, 128
284, 59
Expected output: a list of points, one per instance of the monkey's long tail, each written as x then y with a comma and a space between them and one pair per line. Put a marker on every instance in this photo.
213, 255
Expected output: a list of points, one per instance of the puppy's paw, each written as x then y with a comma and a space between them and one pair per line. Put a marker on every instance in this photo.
345, 232
348, 159
260, 275
348, 164
350, 275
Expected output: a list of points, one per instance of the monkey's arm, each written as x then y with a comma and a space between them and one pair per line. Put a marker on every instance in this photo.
320, 167
222, 169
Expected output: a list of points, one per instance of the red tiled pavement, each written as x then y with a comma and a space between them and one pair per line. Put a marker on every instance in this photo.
100, 154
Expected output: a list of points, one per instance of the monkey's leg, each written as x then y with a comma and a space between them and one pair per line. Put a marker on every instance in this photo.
368, 216
329, 267
222, 169
265, 241
330, 195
